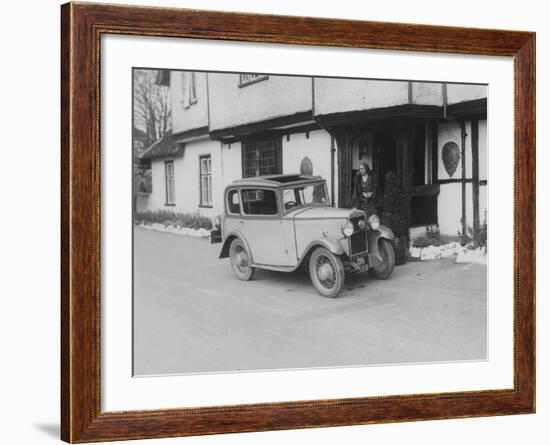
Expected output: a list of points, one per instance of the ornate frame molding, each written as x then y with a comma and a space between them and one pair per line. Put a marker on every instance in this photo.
82, 26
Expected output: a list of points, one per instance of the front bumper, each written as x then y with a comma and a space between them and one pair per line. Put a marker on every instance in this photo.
364, 258
364, 262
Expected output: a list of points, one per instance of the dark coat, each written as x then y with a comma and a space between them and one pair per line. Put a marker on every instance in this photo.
360, 187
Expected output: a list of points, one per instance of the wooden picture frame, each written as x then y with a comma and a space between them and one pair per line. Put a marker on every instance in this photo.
82, 26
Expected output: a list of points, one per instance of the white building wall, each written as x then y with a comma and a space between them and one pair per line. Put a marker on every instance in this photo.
195, 115
231, 165
316, 148
449, 201
482, 126
231, 105
450, 196
227, 167
427, 93
462, 93
469, 204
339, 95
449, 210
187, 179
483, 204
158, 194
188, 172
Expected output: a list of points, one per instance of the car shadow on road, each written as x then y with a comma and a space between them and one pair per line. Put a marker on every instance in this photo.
299, 282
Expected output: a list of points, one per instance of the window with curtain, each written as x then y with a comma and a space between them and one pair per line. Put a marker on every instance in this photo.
170, 186
262, 157
189, 88
206, 181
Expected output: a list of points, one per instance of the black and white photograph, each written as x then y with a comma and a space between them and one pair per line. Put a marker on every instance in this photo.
265, 223
290, 222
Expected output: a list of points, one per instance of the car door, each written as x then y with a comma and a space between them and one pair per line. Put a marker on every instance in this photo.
262, 227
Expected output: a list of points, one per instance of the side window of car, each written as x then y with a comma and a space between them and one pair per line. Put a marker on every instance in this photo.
259, 202
233, 202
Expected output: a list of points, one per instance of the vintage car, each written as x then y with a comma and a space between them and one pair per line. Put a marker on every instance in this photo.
280, 222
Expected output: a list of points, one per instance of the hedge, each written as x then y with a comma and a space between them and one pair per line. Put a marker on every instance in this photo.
167, 218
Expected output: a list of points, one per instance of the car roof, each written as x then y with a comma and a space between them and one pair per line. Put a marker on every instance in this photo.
275, 180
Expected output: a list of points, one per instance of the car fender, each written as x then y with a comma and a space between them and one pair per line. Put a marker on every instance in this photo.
331, 243
224, 253
384, 232
373, 236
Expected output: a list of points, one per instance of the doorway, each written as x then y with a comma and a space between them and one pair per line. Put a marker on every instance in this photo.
385, 161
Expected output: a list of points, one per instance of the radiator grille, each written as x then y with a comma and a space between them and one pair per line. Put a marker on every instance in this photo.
358, 241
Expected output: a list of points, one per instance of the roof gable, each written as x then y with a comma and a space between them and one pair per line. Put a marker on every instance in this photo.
164, 147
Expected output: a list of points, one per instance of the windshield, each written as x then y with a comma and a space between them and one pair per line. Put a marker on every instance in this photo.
303, 195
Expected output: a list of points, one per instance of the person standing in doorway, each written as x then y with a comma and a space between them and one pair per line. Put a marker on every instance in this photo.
363, 190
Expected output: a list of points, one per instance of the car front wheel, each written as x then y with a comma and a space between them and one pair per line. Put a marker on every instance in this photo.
240, 261
326, 272
383, 270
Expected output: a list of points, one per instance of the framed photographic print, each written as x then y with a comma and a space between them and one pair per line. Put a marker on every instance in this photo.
279, 222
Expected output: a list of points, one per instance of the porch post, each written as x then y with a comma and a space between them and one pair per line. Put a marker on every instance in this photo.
344, 167
332, 169
463, 165
475, 174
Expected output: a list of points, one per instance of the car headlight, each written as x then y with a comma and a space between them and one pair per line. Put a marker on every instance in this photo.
361, 224
347, 228
374, 222
217, 221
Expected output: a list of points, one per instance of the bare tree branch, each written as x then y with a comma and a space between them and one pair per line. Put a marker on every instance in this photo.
151, 106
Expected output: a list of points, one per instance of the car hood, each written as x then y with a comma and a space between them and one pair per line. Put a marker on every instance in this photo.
320, 212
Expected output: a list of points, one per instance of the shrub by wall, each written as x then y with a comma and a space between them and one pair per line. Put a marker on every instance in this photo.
167, 218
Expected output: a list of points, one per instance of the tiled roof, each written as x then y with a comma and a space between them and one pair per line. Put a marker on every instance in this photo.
164, 147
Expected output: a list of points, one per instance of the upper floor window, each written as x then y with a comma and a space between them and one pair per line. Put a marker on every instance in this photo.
206, 181
189, 89
249, 78
262, 157
170, 186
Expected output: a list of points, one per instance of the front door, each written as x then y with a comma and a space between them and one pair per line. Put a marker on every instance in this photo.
262, 227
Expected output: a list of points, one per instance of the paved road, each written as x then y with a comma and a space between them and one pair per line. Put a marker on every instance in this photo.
192, 315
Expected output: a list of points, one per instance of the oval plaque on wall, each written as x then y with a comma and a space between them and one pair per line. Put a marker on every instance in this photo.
450, 156
306, 167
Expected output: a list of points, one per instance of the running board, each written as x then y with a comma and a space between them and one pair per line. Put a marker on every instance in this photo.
275, 268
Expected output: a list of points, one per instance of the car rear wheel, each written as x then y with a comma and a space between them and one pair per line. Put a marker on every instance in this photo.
383, 270
326, 272
240, 261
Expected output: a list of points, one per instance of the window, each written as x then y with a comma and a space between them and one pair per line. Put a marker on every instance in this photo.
262, 157
189, 89
170, 189
259, 202
206, 181
249, 78
423, 210
233, 202
313, 194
